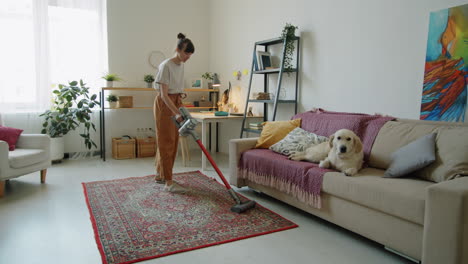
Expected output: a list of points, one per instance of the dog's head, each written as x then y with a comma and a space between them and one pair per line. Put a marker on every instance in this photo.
344, 141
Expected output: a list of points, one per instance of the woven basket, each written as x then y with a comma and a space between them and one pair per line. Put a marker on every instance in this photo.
123, 148
125, 101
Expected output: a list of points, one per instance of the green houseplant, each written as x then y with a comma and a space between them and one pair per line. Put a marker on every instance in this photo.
149, 79
288, 33
209, 77
111, 78
112, 99
71, 108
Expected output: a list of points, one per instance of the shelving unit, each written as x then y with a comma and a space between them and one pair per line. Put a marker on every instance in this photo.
281, 70
102, 119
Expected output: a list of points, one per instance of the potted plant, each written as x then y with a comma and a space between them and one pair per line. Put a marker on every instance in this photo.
111, 78
288, 33
209, 77
71, 108
149, 79
112, 99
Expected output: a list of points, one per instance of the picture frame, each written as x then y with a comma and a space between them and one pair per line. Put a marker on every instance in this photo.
196, 83
264, 60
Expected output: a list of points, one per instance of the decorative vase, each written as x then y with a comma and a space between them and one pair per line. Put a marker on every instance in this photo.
57, 148
210, 85
112, 105
149, 85
110, 83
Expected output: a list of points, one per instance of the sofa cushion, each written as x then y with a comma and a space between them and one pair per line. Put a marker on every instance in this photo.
297, 140
451, 147
451, 156
412, 157
10, 135
20, 158
274, 131
401, 197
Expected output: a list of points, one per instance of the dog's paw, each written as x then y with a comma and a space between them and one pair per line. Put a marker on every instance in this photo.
350, 171
295, 156
325, 164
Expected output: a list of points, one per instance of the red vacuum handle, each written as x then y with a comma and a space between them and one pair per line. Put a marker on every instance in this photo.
214, 165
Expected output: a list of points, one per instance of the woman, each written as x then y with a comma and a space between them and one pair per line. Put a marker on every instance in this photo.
170, 82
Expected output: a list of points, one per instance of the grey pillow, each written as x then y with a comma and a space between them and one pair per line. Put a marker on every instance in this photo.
297, 140
412, 157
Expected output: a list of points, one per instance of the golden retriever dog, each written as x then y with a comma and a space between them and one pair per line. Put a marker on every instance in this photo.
343, 152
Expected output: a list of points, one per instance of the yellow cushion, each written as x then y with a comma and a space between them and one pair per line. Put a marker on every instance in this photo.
274, 131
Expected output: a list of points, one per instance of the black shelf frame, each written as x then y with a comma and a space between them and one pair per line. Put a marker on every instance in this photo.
280, 71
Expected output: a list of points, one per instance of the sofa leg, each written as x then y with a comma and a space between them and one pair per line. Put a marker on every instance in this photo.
43, 175
2, 188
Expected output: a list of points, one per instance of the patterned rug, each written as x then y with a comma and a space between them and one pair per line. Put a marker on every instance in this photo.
134, 220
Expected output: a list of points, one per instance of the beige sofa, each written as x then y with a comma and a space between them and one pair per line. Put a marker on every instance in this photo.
424, 220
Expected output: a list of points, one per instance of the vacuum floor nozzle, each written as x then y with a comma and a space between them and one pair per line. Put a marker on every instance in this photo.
242, 207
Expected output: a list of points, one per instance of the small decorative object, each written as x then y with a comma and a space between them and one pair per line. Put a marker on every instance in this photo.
288, 33
112, 99
250, 113
238, 74
221, 113
111, 78
209, 77
125, 101
282, 94
155, 58
264, 59
196, 83
149, 79
71, 108
263, 96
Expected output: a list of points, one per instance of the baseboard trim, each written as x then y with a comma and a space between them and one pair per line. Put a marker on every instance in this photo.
402, 255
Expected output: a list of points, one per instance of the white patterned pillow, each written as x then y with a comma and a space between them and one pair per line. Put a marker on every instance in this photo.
297, 140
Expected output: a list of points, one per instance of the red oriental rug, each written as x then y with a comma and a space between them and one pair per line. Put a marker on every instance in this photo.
135, 220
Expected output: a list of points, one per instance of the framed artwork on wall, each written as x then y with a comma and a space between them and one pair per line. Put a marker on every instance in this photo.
196, 83
445, 92
264, 60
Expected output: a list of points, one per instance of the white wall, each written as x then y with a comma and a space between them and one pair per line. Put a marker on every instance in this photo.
135, 28
357, 55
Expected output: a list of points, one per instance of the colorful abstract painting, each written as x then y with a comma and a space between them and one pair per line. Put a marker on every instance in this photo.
444, 96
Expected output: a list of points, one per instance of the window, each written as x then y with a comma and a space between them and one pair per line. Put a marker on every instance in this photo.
47, 42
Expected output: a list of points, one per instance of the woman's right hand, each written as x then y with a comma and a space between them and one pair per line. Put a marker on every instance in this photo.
179, 118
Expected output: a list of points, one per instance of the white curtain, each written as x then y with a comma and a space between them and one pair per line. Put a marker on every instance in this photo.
48, 42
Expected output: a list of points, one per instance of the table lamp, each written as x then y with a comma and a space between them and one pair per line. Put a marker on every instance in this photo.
216, 82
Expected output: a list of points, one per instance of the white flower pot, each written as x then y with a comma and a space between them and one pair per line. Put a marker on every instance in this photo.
112, 105
110, 83
57, 148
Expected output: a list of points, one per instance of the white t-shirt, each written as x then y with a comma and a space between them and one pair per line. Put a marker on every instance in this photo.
171, 74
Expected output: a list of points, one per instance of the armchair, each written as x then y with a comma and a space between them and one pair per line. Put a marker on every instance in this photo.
32, 154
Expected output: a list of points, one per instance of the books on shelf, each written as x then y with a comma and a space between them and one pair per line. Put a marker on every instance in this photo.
256, 125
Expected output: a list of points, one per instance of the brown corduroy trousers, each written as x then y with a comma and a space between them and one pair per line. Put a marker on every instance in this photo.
167, 136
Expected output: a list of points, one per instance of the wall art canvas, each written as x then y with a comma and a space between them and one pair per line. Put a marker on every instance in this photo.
444, 96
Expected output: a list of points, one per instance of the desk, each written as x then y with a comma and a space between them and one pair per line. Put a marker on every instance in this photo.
209, 118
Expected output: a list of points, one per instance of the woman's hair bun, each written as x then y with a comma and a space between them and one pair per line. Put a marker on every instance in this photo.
180, 36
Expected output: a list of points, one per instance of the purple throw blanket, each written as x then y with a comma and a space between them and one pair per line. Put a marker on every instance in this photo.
303, 180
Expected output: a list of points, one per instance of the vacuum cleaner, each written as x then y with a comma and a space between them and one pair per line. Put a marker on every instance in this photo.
186, 128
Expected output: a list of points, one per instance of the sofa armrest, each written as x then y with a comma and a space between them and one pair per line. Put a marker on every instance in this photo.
33, 141
236, 147
445, 237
